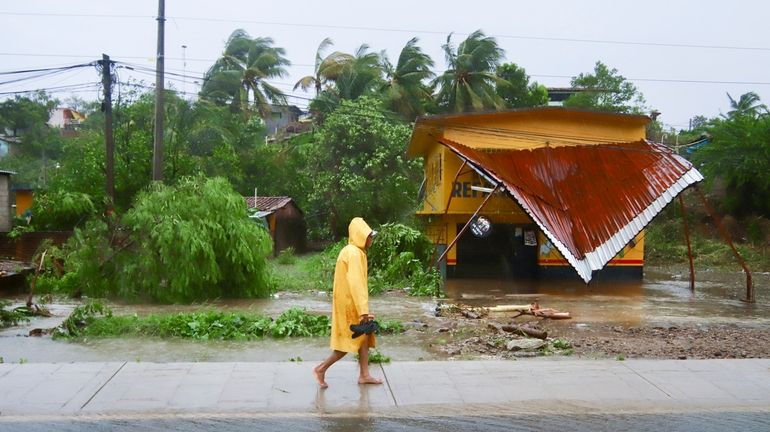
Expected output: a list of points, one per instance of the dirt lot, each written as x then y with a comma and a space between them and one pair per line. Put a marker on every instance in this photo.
457, 336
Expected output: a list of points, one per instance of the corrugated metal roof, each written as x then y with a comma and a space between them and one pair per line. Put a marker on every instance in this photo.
590, 201
267, 203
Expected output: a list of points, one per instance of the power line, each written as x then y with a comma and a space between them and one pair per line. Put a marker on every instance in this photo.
402, 30
64, 88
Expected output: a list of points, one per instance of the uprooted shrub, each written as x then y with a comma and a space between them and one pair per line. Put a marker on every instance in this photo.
400, 257
191, 241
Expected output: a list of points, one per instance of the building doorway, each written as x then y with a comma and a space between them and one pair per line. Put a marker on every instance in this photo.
509, 252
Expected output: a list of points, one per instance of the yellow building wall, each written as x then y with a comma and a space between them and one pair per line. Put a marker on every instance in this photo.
631, 255
23, 201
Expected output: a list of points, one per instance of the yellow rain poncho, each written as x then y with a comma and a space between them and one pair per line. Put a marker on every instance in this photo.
351, 291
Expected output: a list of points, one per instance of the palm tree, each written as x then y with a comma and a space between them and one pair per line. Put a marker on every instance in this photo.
747, 104
361, 75
405, 91
238, 77
326, 68
468, 84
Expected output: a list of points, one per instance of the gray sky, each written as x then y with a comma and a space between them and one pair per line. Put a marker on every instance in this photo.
682, 55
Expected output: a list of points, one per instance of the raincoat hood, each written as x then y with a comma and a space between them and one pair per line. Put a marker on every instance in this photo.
358, 231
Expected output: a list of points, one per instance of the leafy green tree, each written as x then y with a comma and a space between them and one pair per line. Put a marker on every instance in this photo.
61, 210
518, 91
605, 90
191, 241
358, 167
326, 69
739, 155
469, 82
26, 118
239, 77
405, 91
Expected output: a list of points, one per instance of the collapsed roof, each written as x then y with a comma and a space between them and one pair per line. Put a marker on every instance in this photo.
589, 200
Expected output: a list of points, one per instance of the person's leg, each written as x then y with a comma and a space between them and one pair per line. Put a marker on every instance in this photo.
320, 370
363, 364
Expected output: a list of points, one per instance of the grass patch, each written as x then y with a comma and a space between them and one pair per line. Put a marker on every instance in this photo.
302, 274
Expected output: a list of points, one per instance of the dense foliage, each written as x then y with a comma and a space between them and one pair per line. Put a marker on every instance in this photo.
739, 156
187, 242
401, 257
358, 167
518, 91
605, 90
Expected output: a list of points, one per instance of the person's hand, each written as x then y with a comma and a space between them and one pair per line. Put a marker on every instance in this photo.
367, 317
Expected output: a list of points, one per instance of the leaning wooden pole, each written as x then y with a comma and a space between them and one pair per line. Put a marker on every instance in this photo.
467, 224
749, 286
689, 247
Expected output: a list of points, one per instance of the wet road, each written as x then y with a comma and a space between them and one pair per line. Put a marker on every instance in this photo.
684, 422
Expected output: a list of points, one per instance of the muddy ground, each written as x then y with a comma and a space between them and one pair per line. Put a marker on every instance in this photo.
471, 338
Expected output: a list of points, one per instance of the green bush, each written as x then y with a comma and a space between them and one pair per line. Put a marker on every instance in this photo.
192, 241
400, 257
297, 322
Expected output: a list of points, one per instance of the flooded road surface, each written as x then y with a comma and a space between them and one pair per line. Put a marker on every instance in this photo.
676, 422
663, 298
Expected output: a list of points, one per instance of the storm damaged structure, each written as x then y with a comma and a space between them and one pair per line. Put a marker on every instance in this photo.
544, 191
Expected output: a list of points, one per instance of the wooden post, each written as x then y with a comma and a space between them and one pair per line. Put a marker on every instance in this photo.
749, 286
157, 148
109, 138
467, 224
689, 247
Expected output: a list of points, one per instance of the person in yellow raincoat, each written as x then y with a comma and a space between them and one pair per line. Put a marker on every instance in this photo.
350, 304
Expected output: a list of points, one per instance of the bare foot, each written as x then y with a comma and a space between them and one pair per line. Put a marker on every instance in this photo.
319, 376
369, 380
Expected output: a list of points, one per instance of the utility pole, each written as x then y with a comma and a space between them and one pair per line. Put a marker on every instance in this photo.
184, 71
157, 149
109, 140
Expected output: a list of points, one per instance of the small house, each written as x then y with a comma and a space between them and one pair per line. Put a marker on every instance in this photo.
284, 219
544, 191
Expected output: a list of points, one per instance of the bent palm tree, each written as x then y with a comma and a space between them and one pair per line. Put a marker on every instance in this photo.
359, 76
747, 104
326, 68
405, 91
468, 84
238, 77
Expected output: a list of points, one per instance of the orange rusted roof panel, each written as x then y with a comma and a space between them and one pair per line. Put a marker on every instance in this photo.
588, 200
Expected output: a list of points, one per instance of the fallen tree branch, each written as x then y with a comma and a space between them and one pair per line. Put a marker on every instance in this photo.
521, 330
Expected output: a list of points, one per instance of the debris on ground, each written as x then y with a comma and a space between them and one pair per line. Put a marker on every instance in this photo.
533, 309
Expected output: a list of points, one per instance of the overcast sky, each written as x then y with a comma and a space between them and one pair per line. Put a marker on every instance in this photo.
684, 56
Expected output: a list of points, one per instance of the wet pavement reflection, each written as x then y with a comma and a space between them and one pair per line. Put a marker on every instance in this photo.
675, 422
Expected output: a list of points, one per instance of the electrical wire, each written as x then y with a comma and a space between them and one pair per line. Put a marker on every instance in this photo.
402, 30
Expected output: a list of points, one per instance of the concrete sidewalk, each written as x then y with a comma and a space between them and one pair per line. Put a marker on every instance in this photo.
439, 388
